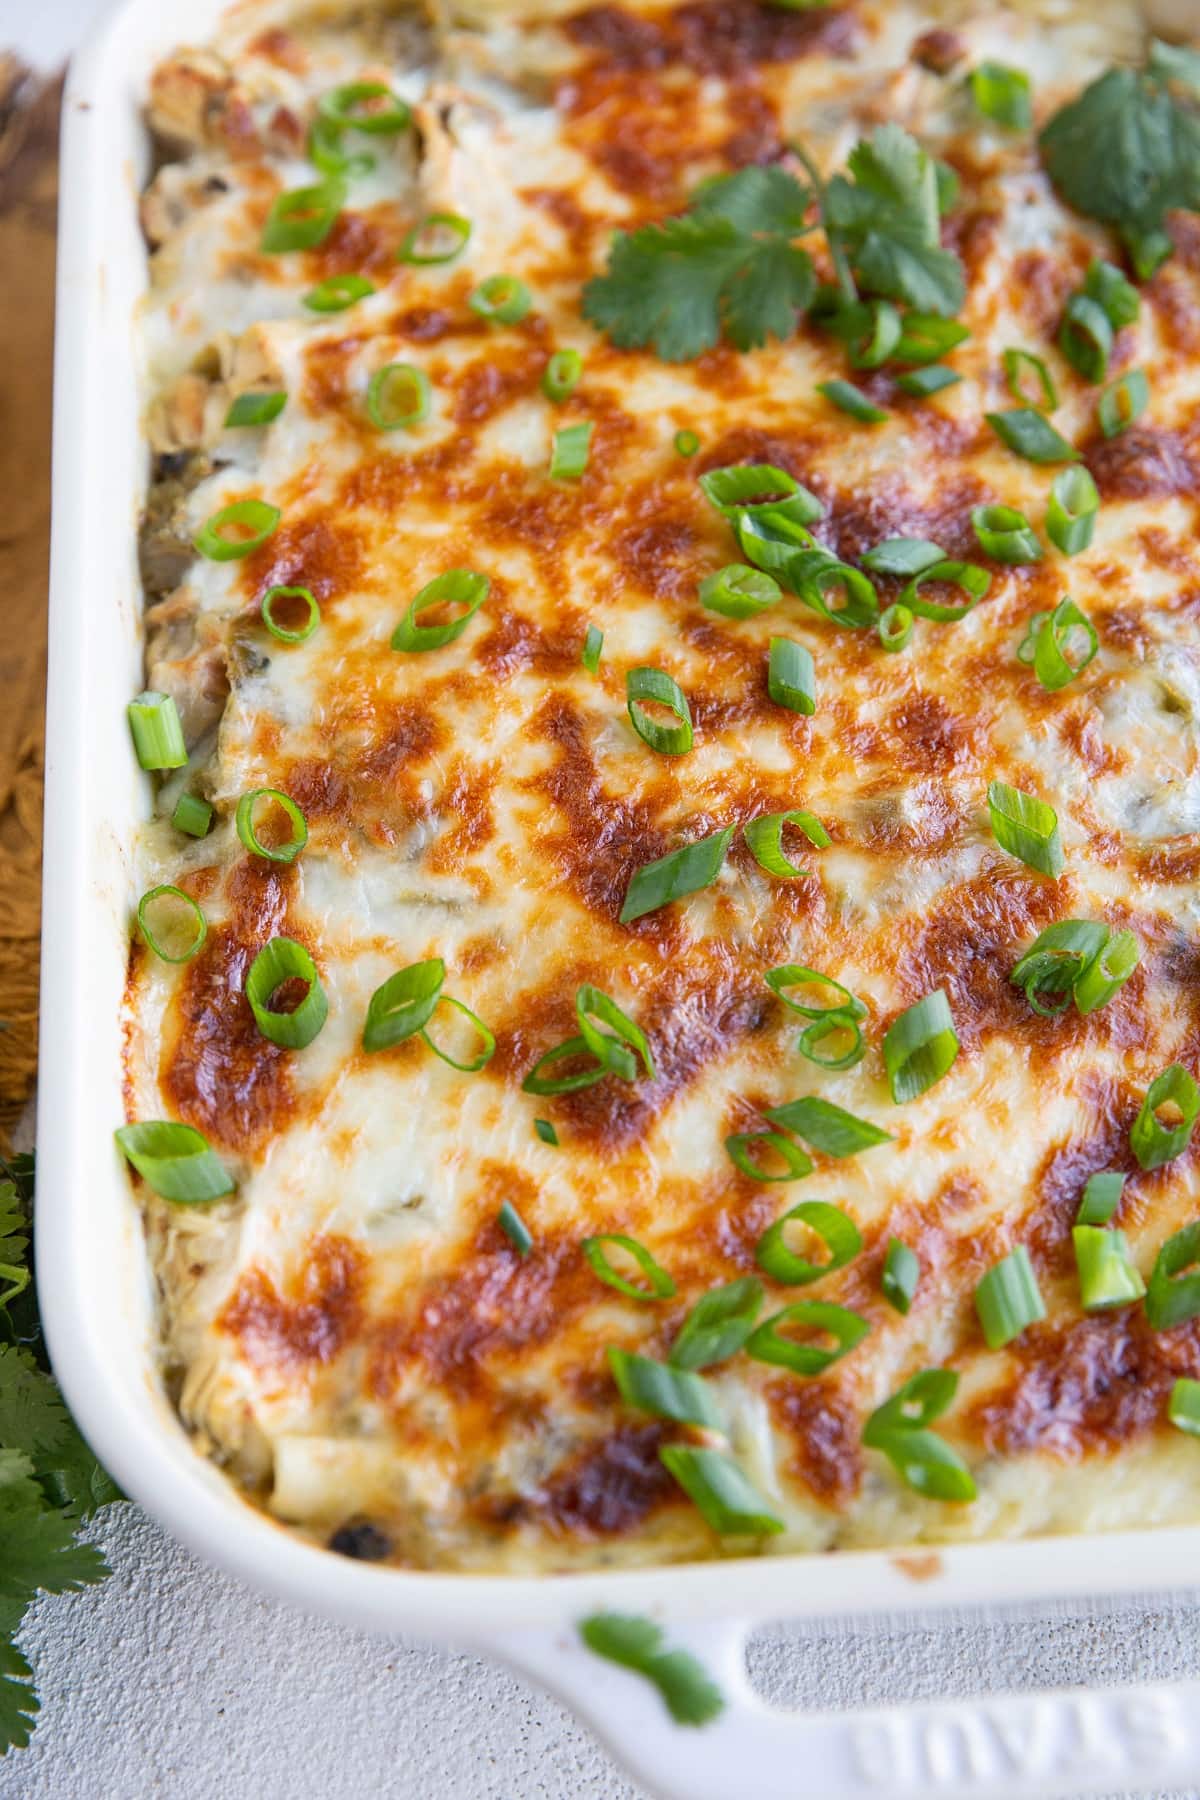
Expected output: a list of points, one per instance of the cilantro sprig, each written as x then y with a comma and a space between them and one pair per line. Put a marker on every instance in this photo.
730, 265
49, 1480
1126, 150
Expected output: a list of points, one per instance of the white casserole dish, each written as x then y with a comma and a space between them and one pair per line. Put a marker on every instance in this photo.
92, 1270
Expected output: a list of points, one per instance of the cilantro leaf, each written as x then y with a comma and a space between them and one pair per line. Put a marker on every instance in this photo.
32, 1415
14, 1242
886, 219
38, 1551
728, 264
71, 1477
18, 1701
756, 199
689, 1693
1125, 151
1175, 62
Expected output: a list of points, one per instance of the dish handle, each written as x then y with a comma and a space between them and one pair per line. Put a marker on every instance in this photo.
1043, 1746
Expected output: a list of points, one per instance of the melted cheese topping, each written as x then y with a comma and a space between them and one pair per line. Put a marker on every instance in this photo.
351, 1334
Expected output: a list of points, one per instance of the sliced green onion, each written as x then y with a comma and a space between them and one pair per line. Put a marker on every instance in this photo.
502, 299
836, 1230
925, 338
398, 396
403, 1004
764, 836
921, 383
255, 409
929, 1465
1101, 1197
718, 1325
1153, 1140
192, 815
1106, 285
791, 680
967, 577
1173, 1296
561, 375
1002, 95
251, 523
769, 539
1032, 436
1044, 398
247, 829
1053, 963
834, 1042
616, 1048
667, 1393
569, 451
455, 587
670, 877
337, 292
282, 632
722, 1495
538, 1083
920, 1046
1183, 1408
901, 1273
1148, 249
1122, 402
1071, 512
515, 1229
796, 975
818, 578
593, 644
302, 218
870, 330
742, 1143
325, 150
157, 732
1026, 827
439, 238
354, 106
1107, 972
656, 685
659, 1284
1006, 534
1107, 1277
922, 1399
851, 400
546, 1132
770, 1343
686, 443
895, 627
903, 557
758, 488
739, 592
175, 1161
1085, 337
1008, 1299
636, 1643
487, 1040
169, 939
827, 1127
281, 961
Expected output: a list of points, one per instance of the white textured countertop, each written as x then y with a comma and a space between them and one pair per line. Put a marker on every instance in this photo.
172, 1681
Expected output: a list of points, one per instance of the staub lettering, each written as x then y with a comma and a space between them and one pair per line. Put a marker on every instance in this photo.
1050, 1738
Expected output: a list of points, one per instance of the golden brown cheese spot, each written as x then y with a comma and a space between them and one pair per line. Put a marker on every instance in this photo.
711, 37
218, 1072
609, 1489
1086, 1386
320, 550
320, 1313
1141, 463
824, 1438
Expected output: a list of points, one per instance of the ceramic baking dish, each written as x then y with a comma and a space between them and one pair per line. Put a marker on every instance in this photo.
92, 1270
